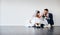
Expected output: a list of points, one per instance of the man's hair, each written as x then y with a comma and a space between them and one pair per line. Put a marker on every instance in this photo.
46, 9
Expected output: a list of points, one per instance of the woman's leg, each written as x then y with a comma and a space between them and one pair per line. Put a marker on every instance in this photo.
37, 25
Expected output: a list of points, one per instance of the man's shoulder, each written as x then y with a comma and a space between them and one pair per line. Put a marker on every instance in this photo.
50, 14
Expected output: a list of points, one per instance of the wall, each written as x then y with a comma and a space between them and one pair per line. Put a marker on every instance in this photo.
16, 12
0, 11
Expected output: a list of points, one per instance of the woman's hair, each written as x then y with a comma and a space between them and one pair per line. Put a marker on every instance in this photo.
37, 13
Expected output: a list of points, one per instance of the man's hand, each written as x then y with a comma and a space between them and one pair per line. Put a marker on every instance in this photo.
47, 17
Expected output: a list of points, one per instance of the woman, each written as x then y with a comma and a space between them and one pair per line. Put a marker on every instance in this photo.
36, 21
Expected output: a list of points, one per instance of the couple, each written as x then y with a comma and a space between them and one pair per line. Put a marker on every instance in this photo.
45, 20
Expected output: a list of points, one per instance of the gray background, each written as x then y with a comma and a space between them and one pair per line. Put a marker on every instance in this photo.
18, 12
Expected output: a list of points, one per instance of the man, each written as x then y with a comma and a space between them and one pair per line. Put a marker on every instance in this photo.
49, 17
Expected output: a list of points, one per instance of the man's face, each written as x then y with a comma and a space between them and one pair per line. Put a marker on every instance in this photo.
45, 12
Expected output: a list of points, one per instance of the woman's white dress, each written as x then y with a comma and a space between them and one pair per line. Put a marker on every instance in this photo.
38, 20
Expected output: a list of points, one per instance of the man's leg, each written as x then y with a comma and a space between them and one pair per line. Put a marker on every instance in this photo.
42, 25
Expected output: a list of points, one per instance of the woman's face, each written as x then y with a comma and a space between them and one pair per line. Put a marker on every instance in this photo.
38, 14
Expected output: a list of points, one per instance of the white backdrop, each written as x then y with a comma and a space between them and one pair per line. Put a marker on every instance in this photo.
17, 12
0, 11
